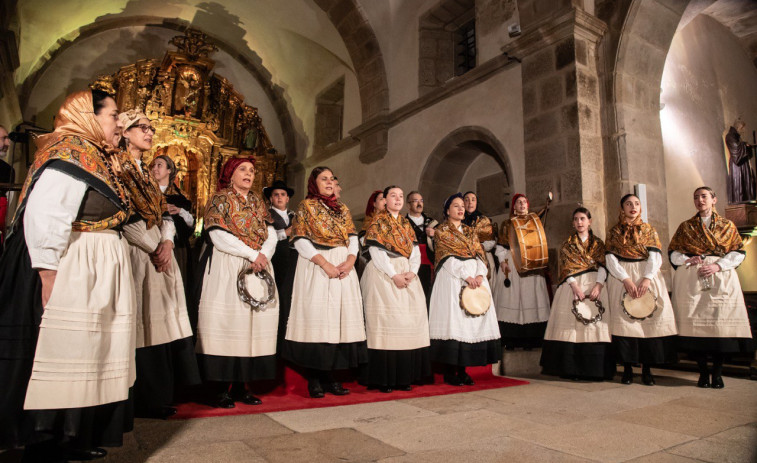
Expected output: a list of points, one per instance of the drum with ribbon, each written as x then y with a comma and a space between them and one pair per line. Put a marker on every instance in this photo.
640, 308
475, 302
528, 243
267, 282
583, 311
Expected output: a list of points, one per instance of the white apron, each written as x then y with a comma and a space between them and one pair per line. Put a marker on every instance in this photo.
563, 325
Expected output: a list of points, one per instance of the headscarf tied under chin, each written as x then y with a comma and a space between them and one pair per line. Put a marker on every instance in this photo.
515, 198
224, 181
76, 117
447, 203
472, 217
330, 201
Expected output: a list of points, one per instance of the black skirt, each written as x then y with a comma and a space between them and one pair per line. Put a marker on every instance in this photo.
648, 351
87, 427
466, 354
397, 367
236, 369
323, 356
160, 369
529, 335
586, 360
20, 316
424, 276
696, 345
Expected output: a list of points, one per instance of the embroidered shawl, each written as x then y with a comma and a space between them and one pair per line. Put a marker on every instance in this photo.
632, 241
84, 161
577, 256
694, 239
245, 217
451, 242
484, 228
316, 222
393, 234
147, 200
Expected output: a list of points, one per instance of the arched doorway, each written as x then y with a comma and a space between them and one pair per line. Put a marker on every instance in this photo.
470, 158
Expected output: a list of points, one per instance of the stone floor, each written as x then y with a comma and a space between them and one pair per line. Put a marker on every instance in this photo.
548, 420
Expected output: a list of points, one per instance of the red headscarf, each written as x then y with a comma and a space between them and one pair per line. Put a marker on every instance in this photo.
370, 208
330, 201
228, 170
515, 198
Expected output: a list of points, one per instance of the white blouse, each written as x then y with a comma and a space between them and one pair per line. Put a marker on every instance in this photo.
380, 258
306, 249
230, 244
654, 262
51, 208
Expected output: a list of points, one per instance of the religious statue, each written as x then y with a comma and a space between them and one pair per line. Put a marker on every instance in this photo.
741, 178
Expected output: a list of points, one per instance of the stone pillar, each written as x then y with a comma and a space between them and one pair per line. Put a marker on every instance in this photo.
561, 108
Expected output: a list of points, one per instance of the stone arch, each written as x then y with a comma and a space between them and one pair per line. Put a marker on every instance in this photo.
255, 67
448, 162
634, 149
348, 19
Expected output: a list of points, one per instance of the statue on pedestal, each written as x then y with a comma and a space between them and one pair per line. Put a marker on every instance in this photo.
741, 179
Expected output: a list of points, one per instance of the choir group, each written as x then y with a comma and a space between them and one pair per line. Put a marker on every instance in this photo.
104, 311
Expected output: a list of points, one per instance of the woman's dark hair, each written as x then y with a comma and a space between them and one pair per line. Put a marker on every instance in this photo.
623, 199
98, 100
317, 171
448, 203
582, 210
390, 187
470, 193
170, 165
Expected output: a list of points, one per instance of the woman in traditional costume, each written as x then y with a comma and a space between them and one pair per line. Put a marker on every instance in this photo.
67, 303
326, 331
236, 342
376, 203
165, 350
396, 320
707, 297
485, 229
634, 259
179, 206
459, 339
577, 345
523, 306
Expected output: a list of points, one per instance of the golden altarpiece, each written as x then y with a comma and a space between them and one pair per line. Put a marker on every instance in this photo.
200, 119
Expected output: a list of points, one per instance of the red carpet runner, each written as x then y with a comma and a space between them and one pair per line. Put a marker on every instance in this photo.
293, 395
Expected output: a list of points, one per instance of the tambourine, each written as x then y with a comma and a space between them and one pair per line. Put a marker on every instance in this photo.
475, 302
246, 297
641, 308
581, 318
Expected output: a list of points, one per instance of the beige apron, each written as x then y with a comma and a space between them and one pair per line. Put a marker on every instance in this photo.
662, 323
227, 326
87, 337
161, 305
324, 309
717, 313
395, 319
525, 301
562, 324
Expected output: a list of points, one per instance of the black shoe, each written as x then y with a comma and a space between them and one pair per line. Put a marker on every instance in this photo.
717, 382
647, 379
385, 389
704, 381
84, 454
404, 387
466, 379
452, 380
250, 399
336, 388
315, 390
223, 400
627, 377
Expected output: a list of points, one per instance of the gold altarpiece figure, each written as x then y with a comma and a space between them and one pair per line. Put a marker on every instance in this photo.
200, 120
